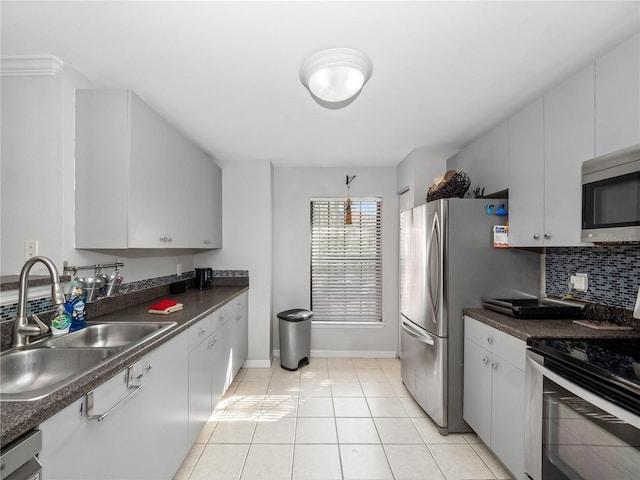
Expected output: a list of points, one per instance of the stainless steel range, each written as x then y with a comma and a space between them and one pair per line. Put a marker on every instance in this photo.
583, 409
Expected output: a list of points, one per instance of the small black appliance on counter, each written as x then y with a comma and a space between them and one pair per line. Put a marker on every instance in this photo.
531, 308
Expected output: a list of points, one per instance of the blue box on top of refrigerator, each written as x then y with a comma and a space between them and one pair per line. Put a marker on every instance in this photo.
447, 263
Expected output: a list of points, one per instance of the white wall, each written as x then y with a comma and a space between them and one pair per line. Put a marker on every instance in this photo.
293, 189
417, 171
247, 244
37, 178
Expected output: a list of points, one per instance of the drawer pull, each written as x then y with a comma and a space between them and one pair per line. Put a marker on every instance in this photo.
489, 339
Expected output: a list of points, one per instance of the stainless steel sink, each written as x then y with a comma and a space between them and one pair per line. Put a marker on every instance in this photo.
109, 335
33, 373
48, 365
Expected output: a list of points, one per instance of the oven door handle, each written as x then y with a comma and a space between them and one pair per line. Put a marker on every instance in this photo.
584, 394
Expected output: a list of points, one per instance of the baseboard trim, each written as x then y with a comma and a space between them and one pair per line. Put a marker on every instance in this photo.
257, 364
348, 354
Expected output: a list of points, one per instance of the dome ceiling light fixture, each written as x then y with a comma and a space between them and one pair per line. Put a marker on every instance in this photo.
335, 77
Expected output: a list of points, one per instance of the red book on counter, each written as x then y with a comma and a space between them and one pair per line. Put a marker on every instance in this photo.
164, 307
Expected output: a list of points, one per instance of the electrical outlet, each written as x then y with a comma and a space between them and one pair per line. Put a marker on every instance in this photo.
30, 249
579, 282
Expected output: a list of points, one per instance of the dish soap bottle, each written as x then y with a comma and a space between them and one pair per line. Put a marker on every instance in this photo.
61, 322
75, 306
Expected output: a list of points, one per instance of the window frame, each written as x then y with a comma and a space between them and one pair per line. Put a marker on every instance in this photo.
371, 316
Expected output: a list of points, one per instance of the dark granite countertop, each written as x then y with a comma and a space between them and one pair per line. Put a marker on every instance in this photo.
524, 329
17, 418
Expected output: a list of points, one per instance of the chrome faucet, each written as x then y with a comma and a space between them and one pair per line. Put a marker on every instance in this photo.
22, 329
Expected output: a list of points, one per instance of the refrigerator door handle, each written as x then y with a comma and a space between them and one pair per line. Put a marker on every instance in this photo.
434, 241
412, 331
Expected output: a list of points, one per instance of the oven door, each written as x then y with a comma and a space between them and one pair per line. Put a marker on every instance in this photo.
572, 433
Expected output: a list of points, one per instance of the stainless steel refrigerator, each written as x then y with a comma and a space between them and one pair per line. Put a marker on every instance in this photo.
447, 263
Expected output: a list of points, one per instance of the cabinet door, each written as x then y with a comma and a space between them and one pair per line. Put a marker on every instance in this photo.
489, 167
477, 389
206, 206
526, 177
569, 138
240, 335
507, 415
101, 152
618, 97
147, 433
180, 170
220, 373
148, 184
200, 405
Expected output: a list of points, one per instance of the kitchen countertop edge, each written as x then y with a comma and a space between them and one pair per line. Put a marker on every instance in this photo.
542, 328
18, 417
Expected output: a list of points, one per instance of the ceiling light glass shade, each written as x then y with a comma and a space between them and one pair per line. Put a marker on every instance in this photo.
336, 76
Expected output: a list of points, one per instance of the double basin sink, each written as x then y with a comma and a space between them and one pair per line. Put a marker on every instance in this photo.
48, 365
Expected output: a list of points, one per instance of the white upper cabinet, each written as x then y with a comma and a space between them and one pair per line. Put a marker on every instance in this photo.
568, 141
526, 176
618, 97
139, 180
205, 203
548, 141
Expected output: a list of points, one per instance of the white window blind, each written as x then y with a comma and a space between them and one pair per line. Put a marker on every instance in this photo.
346, 261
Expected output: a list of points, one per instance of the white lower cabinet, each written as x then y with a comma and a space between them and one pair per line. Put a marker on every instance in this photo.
216, 354
494, 382
150, 430
200, 405
146, 437
239, 323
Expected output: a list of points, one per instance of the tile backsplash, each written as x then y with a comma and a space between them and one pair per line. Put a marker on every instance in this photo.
613, 271
43, 305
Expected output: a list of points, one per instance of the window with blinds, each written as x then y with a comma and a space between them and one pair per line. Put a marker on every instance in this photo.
346, 260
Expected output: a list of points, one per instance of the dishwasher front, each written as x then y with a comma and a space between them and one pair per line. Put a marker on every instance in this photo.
18, 459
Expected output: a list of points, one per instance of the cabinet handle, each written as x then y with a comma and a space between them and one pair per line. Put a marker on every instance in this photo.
221, 317
536, 236
207, 242
494, 365
489, 339
204, 330
100, 417
163, 239
485, 360
148, 367
547, 236
169, 239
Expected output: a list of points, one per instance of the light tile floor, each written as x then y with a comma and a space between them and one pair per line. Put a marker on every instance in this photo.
335, 419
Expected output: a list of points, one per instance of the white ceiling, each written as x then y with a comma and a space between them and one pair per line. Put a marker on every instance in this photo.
227, 73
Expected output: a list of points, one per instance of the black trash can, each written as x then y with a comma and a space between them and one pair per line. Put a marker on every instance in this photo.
295, 338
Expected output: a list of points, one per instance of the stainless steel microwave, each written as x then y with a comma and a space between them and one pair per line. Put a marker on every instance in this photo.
611, 197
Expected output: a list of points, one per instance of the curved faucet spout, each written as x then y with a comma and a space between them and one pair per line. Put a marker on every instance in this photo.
21, 329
